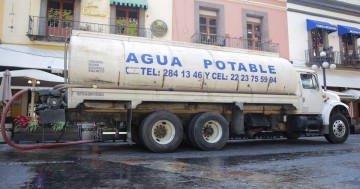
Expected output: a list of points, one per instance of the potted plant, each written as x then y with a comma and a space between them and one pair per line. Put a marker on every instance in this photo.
29, 123
69, 131
29, 129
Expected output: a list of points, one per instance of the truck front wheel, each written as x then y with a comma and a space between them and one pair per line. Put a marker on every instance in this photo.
161, 131
209, 131
338, 129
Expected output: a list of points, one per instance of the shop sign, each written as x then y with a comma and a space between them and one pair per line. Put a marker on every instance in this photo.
92, 10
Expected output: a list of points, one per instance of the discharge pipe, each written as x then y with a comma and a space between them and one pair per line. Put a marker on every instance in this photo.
29, 147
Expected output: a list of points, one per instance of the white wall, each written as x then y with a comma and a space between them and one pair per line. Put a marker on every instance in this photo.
160, 10
298, 38
298, 34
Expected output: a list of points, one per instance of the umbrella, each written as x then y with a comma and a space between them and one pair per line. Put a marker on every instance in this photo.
5, 87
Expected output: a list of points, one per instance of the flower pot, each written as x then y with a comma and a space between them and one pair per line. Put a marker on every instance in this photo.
8, 128
70, 134
38, 135
88, 131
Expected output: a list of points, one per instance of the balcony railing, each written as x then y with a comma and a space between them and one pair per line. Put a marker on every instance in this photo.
341, 60
241, 43
351, 60
40, 28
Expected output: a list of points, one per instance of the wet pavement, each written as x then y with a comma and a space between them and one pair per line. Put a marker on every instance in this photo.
277, 163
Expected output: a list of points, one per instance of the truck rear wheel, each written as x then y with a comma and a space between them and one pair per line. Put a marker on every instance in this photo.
161, 131
338, 129
208, 131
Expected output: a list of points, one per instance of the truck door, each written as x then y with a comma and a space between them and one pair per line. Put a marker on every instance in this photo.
311, 94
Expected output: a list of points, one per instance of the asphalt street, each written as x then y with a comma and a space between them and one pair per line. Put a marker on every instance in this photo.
308, 162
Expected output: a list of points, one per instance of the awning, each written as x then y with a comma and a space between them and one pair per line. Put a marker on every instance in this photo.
21, 77
348, 30
31, 57
353, 92
130, 3
344, 96
312, 24
340, 78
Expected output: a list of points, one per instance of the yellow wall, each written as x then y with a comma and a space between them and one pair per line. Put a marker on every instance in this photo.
95, 11
14, 25
1, 17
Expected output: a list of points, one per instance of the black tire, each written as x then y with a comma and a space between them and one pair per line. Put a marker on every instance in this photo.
161, 131
208, 131
291, 135
189, 139
338, 129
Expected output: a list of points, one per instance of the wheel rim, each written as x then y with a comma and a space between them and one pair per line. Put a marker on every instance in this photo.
163, 132
212, 131
339, 128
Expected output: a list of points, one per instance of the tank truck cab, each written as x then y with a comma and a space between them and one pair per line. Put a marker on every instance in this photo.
320, 111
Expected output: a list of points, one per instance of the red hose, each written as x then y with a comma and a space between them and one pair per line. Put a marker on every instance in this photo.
29, 147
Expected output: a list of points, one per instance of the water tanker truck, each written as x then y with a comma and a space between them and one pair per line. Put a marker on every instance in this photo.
159, 94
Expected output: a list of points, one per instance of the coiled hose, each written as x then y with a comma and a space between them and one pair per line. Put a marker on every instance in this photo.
29, 147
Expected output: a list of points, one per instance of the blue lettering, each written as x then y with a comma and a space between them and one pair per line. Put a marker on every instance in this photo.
220, 65
253, 68
207, 63
126, 69
272, 69
261, 69
207, 75
147, 58
242, 67
232, 65
131, 57
143, 71
214, 76
176, 61
158, 58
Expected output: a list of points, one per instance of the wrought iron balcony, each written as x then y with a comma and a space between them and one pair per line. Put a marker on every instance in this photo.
42, 28
241, 43
352, 61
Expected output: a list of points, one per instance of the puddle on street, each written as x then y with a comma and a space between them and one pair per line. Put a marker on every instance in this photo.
101, 167
88, 173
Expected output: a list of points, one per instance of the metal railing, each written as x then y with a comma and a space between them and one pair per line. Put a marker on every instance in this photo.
351, 61
312, 56
241, 43
41, 27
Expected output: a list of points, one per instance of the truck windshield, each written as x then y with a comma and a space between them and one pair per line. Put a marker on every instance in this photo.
309, 81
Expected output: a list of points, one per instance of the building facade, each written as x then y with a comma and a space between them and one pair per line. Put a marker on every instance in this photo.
40, 22
333, 27
259, 25
1, 17
33, 33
